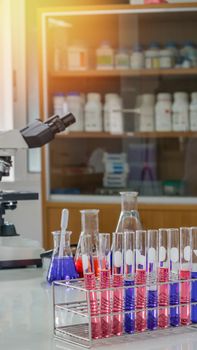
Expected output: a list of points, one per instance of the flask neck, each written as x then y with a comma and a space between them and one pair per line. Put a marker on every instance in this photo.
56, 240
89, 221
128, 201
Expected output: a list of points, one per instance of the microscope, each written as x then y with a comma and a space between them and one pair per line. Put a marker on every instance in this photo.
16, 251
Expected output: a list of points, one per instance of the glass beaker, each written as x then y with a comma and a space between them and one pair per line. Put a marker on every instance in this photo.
89, 225
62, 265
129, 219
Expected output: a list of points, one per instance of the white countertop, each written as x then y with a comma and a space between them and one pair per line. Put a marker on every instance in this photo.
26, 320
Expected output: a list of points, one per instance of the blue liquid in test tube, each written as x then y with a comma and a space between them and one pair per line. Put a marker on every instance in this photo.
174, 300
194, 298
129, 303
194, 275
174, 276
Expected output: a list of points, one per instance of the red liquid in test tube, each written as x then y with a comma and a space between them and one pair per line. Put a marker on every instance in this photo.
118, 304
163, 296
105, 276
185, 274
185, 290
140, 278
117, 283
90, 283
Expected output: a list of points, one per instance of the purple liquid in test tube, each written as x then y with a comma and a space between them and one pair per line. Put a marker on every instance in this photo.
185, 274
163, 276
129, 293
194, 275
117, 282
152, 257
140, 279
174, 247
90, 284
105, 276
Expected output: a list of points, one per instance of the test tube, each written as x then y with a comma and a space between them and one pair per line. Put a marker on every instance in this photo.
152, 258
129, 294
185, 274
90, 283
174, 276
163, 276
105, 275
140, 279
117, 258
194, 275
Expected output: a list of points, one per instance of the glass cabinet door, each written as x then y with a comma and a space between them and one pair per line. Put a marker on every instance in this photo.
128, 75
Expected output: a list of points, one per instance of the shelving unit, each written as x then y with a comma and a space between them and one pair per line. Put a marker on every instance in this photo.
103, 135
122, 25
116, 73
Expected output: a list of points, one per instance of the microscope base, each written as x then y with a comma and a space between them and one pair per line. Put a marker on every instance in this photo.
10, 264
18, 252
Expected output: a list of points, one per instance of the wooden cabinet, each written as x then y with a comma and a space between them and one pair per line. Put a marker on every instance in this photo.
68, 179
153, 216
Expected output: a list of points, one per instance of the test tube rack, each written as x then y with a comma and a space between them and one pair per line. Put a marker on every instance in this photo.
72, 311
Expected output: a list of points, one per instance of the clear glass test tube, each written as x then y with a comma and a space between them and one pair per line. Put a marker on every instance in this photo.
152, 292
140, 279
185, 274
174, 237
194, 275
105, 275
117, 271
163, 277
90, 283
129, 294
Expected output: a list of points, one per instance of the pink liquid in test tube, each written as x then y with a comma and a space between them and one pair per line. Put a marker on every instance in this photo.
185, 274
90, 283
185, 291
105, 276
163, 296
118, 304
117, 283
140, 278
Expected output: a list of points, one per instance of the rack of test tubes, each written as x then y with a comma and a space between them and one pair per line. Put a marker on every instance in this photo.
146, 282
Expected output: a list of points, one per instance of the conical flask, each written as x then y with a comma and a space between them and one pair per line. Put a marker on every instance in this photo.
129, 219
62, 266
89, 225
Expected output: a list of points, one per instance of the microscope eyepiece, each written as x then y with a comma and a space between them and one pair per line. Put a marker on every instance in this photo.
40, 133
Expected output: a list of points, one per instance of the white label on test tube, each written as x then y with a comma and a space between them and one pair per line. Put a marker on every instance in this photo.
118, 259
187, 253
129, 257
151, 255
174, 254
162, 253
85, 261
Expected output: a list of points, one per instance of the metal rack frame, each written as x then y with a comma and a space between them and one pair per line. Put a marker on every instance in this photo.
72, 314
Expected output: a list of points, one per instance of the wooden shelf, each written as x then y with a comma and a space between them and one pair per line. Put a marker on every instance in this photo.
121, 8
106, 135
118, 73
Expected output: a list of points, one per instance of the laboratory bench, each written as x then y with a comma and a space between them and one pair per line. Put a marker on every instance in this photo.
26, 320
